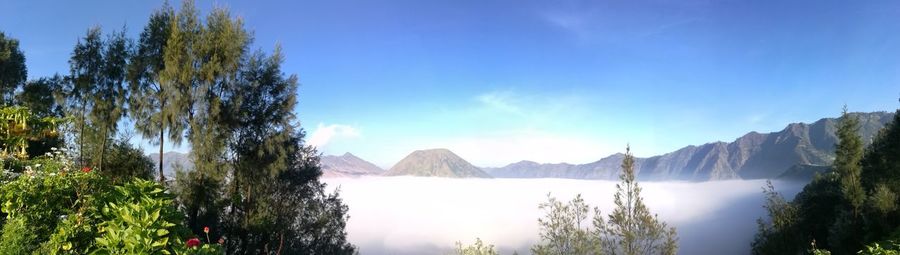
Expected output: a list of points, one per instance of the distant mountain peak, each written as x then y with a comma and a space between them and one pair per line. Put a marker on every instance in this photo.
347, 165
436, 162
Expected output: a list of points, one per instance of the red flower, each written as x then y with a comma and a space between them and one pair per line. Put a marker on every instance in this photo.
193, 242
86, 169
206, 230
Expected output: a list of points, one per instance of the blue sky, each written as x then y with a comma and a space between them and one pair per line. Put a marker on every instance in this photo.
549, 81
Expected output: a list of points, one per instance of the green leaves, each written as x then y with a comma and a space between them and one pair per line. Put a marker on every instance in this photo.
630, 229
12, 67
55, 209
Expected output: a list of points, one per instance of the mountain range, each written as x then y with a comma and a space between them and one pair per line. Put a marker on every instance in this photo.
797, 151
751, 156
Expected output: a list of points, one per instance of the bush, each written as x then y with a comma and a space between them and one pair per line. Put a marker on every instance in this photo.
54, 208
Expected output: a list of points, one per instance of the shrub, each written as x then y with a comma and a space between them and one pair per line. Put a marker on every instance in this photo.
53, 207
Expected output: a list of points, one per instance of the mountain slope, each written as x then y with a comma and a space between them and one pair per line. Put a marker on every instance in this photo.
604, 168
436, 162
752, 156
172, 160
803, 173
347, 165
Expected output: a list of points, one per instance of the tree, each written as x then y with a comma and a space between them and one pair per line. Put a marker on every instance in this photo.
846, 232
478, 248
881, 177
564, 230
154, 102
125, 162
848, 153
109, 92
86, 66
631, 229
779, 235
201, 65
40, 97
308, 220
12, 68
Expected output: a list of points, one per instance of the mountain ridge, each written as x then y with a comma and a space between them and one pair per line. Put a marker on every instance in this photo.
752, 156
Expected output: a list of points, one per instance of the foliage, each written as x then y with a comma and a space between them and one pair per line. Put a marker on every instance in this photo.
478, 248
254, 183
12, 67
630, 229
294, 213
125, 162
563, 230
56, 208
109, 93
778, 235
18, 126
848, 153
140, 219
883, 200
86, 67
17, 238
852, 208
153, 102
39, 96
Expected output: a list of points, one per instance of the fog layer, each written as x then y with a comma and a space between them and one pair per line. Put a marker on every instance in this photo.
417, 215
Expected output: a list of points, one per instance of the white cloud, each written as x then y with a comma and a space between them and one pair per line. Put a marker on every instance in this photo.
326, 133
503, 101
504, 212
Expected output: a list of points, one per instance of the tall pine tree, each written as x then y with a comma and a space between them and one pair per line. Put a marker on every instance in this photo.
153, 102
631, 229
847, 155
109, 93
86, 65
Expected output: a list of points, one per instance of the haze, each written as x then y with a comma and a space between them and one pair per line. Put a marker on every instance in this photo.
417, 215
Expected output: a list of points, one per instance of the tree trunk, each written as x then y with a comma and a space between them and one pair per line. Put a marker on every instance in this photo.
81, 138
162, 140
103, 148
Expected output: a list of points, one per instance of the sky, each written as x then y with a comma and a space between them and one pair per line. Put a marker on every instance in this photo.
549, 81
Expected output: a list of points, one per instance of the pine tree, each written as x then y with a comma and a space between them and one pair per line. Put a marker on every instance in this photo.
631, 229
200, 190
109, 93
152, 101
86, 65
881, 177
848, 153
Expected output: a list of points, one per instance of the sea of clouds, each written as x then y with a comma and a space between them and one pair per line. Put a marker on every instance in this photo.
425, 215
